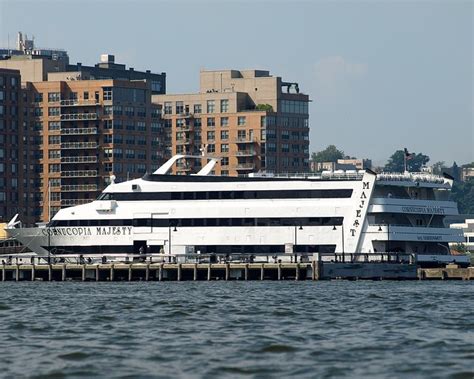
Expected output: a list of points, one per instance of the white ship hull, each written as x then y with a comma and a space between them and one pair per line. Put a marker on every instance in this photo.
166, 214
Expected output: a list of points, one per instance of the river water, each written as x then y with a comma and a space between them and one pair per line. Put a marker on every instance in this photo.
237, 329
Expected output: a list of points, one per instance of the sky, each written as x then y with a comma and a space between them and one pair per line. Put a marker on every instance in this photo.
382, 75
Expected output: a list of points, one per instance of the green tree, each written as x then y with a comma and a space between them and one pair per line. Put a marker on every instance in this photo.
396, 162
264, 107
455, 172
329, 154
463, 194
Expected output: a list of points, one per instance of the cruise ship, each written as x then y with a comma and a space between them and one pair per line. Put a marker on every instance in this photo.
345, 212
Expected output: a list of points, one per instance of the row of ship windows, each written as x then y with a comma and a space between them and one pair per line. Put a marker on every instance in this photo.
161, 222
228, 195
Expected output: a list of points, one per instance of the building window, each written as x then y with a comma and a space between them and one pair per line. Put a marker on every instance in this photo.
54, 154
155, 127
224, 134
117, 110
285, 148
211, 136
129, 111
168, 109
108, 153
38, 97
108, 109
107, 138
285, 134
224, 106
224, 148
53, 96
52, 125
118, 152
54, 140
54, 168
108, 167
211, 104
197, 122
130, 139
179, 107
291, 106
263, 121
224, 121
107, 93
141, 126
211, 121
241, 134
225, 161
197, 108
108, 124
211, 148
180, 123
155, 86
241, 120
130, 153
141, 112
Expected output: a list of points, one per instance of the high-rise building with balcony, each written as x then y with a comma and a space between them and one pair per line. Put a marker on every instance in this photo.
252, 120
89, 130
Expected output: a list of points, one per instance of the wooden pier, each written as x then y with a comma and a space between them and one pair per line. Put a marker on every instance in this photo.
225, 271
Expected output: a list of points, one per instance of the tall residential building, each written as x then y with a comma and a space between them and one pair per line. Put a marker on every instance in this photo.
16, 168
89, 130
252, 120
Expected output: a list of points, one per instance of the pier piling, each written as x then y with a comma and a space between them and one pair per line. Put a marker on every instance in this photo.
313, 270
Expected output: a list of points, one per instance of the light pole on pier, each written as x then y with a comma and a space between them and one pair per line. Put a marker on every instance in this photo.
388, 236
169, 238
342, 241
296, 241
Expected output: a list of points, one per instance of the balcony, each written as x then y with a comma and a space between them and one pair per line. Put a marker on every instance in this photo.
79, 159
245, 140
78, 116
79, 174
78, 131
245, 153
412, 206
414, 233
79, 188
79, 145
245, 166
78, 103
71, 202
184, 141
186, 114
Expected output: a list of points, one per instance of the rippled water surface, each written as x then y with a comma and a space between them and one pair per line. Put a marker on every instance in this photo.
237, 329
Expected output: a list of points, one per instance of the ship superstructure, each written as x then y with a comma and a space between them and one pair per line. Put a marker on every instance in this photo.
352, 212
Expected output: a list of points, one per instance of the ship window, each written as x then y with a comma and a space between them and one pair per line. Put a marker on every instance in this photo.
140, 222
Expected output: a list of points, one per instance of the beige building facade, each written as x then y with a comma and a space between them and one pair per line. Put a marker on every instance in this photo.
244, 117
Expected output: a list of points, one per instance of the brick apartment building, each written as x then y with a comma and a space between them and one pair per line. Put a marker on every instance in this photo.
89, 130
245, 117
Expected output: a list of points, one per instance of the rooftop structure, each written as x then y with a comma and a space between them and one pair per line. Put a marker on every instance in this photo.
26, 47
